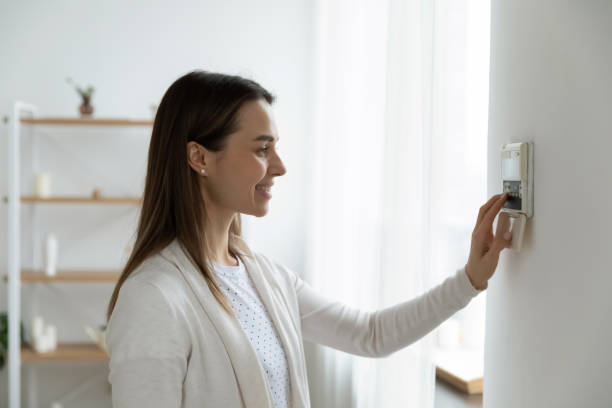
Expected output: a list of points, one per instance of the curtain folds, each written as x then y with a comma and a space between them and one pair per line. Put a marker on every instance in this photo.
390, 133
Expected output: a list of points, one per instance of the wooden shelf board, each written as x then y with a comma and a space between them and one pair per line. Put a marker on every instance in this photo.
88, 121
473, 386
63, 276
461, 368
66, 352
84, 200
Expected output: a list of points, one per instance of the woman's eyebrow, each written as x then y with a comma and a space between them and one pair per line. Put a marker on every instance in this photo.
265, 138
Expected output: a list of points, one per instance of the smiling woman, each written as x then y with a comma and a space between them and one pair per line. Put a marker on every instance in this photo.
212, 156
245, 165
203, 171
197, 318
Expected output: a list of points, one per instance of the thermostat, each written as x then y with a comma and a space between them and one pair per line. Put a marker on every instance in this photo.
517, 181
517, 177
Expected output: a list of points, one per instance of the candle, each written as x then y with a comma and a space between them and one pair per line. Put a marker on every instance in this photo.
51, 337
51, 249
39, 344
38, 324
43, 185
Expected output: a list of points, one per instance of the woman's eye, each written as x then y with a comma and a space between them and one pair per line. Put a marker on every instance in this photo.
265, 149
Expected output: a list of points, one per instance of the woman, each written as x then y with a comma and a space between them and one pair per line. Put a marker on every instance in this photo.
197, 318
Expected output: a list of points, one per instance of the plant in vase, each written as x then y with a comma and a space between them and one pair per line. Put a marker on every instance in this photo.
85, 109
4, 337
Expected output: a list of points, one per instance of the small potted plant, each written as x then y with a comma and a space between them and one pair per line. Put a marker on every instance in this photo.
4, 337
86, 109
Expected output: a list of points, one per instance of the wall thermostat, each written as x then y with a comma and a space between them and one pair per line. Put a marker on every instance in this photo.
517, 181
517, 177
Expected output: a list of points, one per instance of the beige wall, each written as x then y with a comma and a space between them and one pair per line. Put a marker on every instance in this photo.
549, 321
131, 51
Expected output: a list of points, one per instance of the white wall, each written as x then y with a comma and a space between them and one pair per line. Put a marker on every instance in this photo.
548, 319
131, 51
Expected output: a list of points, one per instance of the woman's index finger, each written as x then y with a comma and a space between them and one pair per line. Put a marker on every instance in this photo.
493, 199
486, 207
496, 206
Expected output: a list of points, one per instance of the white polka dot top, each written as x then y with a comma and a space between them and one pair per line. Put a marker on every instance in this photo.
255, 321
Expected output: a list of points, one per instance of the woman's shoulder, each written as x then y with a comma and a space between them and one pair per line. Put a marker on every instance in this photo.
156, 278
155, 269
152, 295
149, 317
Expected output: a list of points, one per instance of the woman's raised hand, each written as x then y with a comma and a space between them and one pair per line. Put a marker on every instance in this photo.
485, 248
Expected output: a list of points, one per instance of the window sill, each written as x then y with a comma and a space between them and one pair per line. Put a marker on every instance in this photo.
462, 368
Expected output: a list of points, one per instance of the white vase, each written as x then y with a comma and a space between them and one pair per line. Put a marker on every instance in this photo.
51, 337
41, 343
38, 326
42, 187
51, 250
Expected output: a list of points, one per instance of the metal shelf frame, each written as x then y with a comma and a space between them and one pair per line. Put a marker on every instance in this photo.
14, 253
14, 201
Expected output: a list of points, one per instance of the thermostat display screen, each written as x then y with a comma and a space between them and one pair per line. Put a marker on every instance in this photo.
511, 166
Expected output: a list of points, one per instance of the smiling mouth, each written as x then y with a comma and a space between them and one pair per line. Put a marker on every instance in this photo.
264, 188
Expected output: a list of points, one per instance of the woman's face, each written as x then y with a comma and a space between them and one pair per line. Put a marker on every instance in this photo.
250, 160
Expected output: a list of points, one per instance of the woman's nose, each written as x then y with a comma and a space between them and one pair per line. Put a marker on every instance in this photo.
280, 166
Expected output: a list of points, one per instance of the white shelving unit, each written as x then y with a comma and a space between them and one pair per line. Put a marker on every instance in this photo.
25, 114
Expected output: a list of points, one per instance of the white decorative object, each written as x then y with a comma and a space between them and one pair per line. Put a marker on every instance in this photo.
38, 325
51, 249
448, 334
43, 185
51, 337
40, 343
44, 337
56, 404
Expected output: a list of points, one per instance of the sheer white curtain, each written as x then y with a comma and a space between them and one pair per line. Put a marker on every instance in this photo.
398, 170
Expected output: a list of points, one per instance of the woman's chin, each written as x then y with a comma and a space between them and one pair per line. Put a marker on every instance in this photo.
262, 212
259, 211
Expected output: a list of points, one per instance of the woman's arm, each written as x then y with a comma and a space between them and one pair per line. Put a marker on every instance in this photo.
148, 349
380, 333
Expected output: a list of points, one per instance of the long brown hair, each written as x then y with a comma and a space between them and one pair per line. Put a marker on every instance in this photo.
200, 106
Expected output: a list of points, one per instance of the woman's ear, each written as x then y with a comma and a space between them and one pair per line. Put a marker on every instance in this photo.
196, 157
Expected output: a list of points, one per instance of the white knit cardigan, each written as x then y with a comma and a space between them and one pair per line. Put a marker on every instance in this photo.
172, 345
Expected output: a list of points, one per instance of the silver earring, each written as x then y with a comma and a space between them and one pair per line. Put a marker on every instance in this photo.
203, 171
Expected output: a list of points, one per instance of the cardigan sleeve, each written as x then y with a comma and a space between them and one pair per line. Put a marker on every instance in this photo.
148, 348
380, 333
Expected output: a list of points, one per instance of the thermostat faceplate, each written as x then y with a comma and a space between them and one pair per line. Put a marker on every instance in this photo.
517, 177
